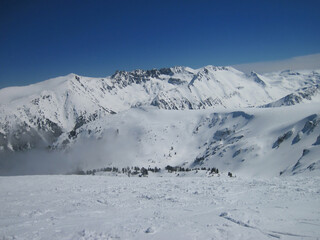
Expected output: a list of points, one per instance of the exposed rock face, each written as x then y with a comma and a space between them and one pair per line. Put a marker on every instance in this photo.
282, 138
56, 113
301, 95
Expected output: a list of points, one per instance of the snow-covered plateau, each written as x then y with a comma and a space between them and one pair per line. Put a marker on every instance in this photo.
263, 128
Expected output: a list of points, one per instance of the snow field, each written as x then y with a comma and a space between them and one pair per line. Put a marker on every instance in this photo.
101, 207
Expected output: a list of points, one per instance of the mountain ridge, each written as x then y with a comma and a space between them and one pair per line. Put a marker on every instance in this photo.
53, 114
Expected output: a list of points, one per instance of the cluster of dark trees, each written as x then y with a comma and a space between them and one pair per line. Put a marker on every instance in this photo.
182, 169
128, 171
143, 172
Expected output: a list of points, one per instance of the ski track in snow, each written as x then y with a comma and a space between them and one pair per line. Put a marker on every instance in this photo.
104, 207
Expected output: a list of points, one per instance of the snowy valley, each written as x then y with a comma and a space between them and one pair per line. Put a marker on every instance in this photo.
213, 116
264, 128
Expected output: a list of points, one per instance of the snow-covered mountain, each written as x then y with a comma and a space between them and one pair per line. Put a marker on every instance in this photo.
131, 113
306, 94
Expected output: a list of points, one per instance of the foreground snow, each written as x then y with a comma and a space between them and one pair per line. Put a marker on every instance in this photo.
102, 207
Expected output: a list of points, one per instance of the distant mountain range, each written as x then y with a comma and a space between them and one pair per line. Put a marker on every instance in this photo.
238, 119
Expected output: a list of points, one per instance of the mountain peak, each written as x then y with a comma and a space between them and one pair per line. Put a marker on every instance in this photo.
60, 111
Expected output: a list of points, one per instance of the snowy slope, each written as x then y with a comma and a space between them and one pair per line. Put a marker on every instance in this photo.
265, 129
250, 141
131, 114
310, 93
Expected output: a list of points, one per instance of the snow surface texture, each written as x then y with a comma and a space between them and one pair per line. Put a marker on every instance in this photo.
251, 124
101, 207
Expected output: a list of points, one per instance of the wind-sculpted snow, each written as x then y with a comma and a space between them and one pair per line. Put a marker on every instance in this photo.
101, 207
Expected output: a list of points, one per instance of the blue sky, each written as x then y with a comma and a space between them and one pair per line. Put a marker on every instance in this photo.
45, 39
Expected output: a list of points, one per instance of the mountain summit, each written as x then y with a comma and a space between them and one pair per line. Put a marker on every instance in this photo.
56, 113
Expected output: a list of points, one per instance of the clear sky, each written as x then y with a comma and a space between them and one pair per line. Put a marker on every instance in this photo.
44, 39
